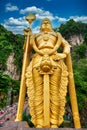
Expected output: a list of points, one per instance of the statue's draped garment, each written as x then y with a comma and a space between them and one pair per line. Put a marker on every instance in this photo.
54, 67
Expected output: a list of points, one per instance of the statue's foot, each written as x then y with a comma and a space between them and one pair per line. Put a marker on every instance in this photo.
54, 126
38, 126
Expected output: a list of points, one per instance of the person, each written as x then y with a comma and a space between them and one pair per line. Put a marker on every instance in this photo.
47, 69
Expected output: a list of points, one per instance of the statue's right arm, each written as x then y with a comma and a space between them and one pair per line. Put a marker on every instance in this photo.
34, 46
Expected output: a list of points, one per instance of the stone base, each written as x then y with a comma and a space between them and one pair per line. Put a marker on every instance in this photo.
10, 125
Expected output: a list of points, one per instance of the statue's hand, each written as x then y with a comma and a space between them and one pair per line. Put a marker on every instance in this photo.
59, 56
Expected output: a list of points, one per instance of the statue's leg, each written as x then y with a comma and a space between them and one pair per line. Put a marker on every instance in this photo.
54, 96
38, 101
58, 90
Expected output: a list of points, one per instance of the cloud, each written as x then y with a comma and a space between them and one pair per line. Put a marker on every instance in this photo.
14, 29
40, 13
10, 7
62, 19
17, 25
32, 9
82, 19
36, 29
16, 21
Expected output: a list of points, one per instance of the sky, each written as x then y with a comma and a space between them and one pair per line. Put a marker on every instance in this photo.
13, 12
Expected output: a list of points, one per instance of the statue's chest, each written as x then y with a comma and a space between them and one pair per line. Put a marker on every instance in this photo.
45, 40
45, 37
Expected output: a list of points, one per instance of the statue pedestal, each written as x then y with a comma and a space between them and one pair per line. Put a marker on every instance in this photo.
11, 125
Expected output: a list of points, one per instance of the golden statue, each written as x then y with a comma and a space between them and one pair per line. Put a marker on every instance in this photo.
47, 76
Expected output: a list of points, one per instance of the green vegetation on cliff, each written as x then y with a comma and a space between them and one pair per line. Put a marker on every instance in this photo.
9, 43
72, 28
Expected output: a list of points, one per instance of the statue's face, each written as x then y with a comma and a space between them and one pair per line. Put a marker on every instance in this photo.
46, 26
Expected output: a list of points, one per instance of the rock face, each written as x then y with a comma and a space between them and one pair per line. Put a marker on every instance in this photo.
11, 68
75, 40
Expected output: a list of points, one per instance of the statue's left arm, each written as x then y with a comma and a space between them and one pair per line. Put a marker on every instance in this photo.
66, 47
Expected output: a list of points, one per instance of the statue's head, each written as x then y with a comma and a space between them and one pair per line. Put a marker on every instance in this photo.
46, 25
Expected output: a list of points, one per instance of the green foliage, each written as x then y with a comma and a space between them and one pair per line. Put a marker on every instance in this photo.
9, 43
79, 52
85, 38
27, 118
5, 50
18, 50
72, 28
80, 72
5, 84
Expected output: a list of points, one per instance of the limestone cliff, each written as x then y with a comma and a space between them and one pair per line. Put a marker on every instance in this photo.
11, 68
75, 40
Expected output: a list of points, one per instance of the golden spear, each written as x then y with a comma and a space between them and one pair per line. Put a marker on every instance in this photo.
72, 93
30, 18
